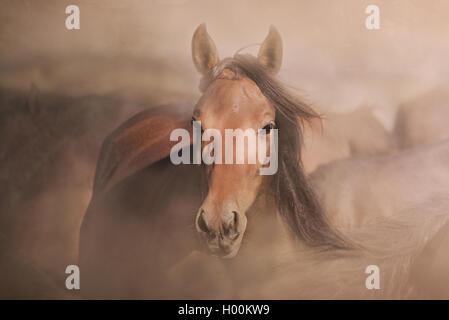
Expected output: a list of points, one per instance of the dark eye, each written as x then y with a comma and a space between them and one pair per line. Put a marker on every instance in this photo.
269, 127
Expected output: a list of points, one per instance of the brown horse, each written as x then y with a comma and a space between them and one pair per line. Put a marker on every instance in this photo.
243, 92
138, 236
142, 203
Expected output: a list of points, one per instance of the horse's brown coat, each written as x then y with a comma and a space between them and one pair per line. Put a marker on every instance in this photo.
139, 142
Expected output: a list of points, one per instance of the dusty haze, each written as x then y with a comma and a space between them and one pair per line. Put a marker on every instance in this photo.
62, 91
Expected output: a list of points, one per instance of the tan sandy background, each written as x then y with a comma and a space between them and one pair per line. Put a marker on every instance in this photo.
62, 91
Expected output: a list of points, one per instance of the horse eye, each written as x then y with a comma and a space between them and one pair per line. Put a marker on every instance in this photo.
269, 127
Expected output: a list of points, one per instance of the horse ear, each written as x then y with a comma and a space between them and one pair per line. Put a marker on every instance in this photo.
204, 52
270, 52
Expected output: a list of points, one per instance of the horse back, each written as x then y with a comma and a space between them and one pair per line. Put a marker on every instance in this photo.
140, 218
139, 142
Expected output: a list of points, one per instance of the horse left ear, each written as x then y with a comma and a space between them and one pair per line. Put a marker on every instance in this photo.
270, 52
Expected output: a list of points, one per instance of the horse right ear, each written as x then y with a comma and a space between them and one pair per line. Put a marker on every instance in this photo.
204, 52
270, 52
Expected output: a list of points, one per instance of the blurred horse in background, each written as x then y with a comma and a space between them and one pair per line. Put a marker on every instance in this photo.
344, 135
356, 190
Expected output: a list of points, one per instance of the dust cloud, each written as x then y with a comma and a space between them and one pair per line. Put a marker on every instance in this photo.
62, 92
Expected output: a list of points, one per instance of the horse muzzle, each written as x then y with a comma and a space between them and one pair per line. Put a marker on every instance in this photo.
223, 235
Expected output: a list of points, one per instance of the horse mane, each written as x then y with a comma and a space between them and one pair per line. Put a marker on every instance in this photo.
295, 199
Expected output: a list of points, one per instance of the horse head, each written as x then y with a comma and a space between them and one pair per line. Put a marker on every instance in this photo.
242, 93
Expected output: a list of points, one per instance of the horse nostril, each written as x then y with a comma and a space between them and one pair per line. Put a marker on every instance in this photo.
236, 219
230, 228
202, 223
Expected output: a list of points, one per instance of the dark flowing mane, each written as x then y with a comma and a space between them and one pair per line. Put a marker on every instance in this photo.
295, 199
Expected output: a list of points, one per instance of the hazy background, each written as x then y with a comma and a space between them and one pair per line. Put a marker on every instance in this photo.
62, 91
143, 47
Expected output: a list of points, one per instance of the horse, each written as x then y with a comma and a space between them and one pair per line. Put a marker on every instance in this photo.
154, 229
134, 174
243, 92
355, 190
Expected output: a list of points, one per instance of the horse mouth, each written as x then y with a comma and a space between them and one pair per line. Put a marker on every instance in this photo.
223, 252
228, 254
